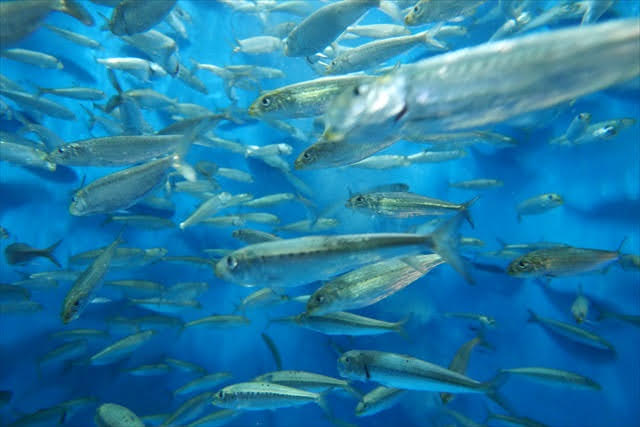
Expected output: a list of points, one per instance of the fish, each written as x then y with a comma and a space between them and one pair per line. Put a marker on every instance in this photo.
114, 415
378, 31
372, 54
185, 366
298, 261
140, 68
121, 348
573, 333
430, 156
406, 205
190, 409
561, 261
257, 396
515, 421
406, 372
306, 99
258, 45
15, 307
32, 57
22, 253
269, 200
307, 225
165, 305
273, 349
202, 383
69, 350
186, 290
80, 333
219, 322
369, 284
217, 418
77, 38
250, 236
19, 19
428, 11
601, 131
485, 321
13, 293
130, 17
555, 377
383, 161
354, 118
344, 323
122, 257
377, 400
24, 155
212, 205
580, 306
477, 184
41, 105
87, 284
150, 222
303, 380
324, 25
123, 189
262, 298
149, 370
460, 361
539, 204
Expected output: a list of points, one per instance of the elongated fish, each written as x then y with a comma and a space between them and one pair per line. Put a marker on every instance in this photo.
121, 348
406, 372
114, 415
573, 333
539, 204
555, 377
189, 410
303, 380
343, 323
295, 262
561, 261
481, 85
257, 396
203, 383
370, 284
87, 284
377, 400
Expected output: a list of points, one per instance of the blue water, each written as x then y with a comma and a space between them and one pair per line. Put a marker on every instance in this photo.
600, 183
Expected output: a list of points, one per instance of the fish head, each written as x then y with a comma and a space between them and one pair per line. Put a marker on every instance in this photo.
317, 156
526, 266
417, 13
322, 302
362, 408
553, 199
268, 104
78, 206
65, 153
222, 398
231, 268
71, 308
359, 201
353, 365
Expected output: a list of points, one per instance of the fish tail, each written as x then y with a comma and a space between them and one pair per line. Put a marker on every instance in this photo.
321, 400
492, 392
533, 317
399, 326
76, 10
353, 391
465, 210
621, 245
391, 9
48, 253
107, 220
445, 240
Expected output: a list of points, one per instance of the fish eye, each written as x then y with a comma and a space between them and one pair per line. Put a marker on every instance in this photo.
356, 90
220, 394
231, 262
76, 303
347, 359
266, 101
319, 298
416, 9
610, 131
523, 264
60, 150
359, 199
306, 155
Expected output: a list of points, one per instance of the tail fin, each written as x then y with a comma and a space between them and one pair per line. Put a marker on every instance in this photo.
273, 349
48, 253
76, 10
621, 245
399, 326
445, 239
465, 210
533, 317
492, 387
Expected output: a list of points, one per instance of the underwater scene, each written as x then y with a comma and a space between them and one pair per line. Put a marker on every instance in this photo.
315, 213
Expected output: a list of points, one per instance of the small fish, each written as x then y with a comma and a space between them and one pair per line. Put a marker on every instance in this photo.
76, 38
382, 161
121, 348
379, 31
539, 204
32, 57
580, 306
257, 396
344, 323
87, 284
218, 418
184, 366
42, 105
435, 156
303, 380
219, 322
81, 93
477, 184
141, 221
186, 290
562, 261
407, 205
203, 383
131, 17
262, 298
114, 415
324, 25
555, 377
13, 293
165, 305
250, 236
307, 225
428, 11
212, 205
269, 200
377, 400
189, 410
21, 253
406, 372
572, 332
70, 350
486, 321
235, 174
16, 307
149, 370
273, 349
258, 45
140, 68
24, 155
80, 333
515, 421
369, 284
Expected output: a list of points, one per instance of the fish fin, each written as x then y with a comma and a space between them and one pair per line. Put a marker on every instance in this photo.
465, 210
48, 253
322, 403
335, 347
391, 9
533, 317
75, 10
107, 220
501, 242
366, 371
492, 392
399, 326
114, 80
354, 391
621, 245
445, 240
411, 262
